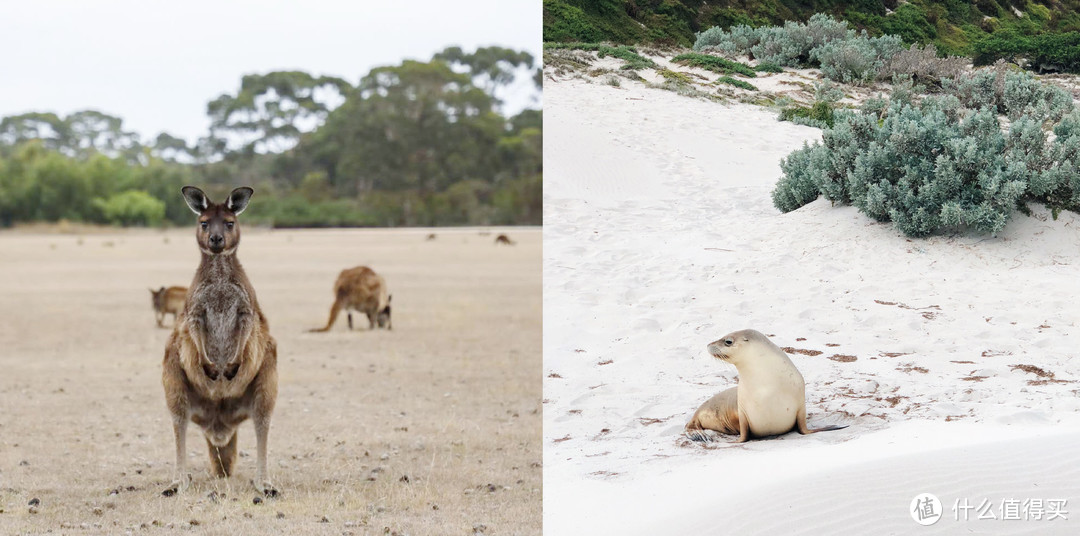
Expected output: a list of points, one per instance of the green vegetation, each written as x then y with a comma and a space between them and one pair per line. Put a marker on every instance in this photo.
819, 115
715, 64
1046, 52
765, 67
634, 61
945, 163
675, 76
420, 143
955, 27
843, 54
736, 82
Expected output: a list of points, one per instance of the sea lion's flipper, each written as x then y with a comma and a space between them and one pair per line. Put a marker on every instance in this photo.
744, 427
800, 422
829, 428
703, 436
803, 428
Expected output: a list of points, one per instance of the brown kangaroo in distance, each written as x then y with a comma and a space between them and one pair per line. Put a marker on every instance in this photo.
503, 239
167, 300
220, 363
363, 290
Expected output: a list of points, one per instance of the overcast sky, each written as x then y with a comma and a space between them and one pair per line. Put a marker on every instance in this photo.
156, 64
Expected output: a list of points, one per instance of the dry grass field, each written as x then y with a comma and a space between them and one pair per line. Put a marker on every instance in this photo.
432, 428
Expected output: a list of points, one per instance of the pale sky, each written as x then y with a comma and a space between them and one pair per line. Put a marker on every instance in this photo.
156, 64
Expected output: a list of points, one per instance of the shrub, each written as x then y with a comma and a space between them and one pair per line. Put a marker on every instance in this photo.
675, 76
768, 68
715, 64
821, 113
842, 54
736, 82
1012, 93
131, 207
798, 186
923, 65
858, 60
1057, 52
628, 54
939, 165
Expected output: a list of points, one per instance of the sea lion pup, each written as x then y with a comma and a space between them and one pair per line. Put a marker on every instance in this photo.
769, 400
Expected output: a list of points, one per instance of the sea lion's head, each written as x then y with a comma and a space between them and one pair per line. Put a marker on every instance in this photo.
731, 347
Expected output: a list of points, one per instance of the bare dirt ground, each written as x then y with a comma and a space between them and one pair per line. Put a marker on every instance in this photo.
432, 428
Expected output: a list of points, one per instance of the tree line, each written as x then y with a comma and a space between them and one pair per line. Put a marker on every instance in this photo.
419, 143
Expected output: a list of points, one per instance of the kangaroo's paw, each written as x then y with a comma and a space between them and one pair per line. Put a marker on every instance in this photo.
177, 486
266, 488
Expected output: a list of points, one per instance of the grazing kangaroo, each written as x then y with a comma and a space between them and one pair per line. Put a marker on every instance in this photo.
365, 291
220, 363
167, 300
503, 239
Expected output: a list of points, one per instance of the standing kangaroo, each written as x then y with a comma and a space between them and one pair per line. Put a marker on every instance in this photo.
220, 363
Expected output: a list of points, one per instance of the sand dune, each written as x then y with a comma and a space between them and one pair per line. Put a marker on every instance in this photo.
943, 339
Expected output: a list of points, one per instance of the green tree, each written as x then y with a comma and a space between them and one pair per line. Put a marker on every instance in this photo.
490, 67
271, 110
131, 207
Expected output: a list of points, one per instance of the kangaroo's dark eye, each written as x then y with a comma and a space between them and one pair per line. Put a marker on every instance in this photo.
728, 342
204, 224
229, 224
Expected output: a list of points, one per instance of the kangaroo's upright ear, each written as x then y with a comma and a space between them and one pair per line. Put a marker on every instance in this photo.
238, 199
196, 199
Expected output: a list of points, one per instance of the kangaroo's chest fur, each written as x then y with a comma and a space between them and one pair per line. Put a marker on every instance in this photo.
224, 304
223, 327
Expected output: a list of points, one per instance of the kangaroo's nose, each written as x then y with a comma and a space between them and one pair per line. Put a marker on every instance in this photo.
217, 240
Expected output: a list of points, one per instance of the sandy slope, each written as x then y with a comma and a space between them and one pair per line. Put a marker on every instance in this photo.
433, 428
660, 236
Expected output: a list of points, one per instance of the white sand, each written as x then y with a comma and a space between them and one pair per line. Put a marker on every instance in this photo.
660, 236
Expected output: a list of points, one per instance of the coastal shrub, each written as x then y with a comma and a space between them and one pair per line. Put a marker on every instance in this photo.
923, 65
821, 113
715, 64
1056, 52
768, 68
675, 76
629, 54
858, 60
736, 82
788, 45
1011, 93
843, 54
799, 186
940, 165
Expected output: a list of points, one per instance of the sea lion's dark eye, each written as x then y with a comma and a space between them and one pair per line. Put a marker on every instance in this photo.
728, 342
204, 224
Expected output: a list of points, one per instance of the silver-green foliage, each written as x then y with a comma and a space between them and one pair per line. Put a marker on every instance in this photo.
843, 54
938, 165
1014, 94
